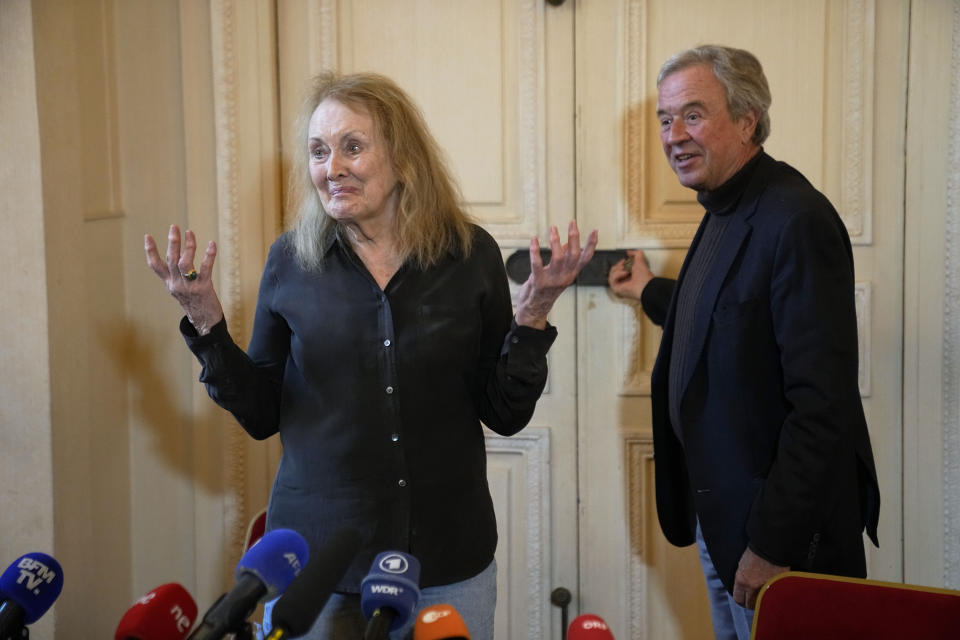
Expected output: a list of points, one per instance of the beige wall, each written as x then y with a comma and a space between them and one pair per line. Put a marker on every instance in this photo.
26, 459
111, 457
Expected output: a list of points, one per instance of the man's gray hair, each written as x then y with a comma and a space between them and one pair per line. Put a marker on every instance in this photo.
741, 75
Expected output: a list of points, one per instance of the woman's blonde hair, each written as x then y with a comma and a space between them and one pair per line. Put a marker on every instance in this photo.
430, 219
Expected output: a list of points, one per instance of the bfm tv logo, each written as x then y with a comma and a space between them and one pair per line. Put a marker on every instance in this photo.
34, 573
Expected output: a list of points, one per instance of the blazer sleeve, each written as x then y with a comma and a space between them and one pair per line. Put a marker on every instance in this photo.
655, 299
815, 326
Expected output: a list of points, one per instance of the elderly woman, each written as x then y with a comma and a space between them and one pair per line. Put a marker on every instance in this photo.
382, 339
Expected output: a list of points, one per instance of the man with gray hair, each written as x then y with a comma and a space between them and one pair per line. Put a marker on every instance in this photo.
762, 451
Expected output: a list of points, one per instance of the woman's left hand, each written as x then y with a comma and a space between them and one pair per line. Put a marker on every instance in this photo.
546, 283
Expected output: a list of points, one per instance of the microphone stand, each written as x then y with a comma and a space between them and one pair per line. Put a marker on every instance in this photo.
245, 632
378, 628
23, 634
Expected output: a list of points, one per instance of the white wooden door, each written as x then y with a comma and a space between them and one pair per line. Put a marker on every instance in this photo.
546, 114
838, 116
495, 82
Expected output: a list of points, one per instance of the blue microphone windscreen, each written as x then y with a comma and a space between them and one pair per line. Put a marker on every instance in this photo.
276, 559
393, 583
34, 581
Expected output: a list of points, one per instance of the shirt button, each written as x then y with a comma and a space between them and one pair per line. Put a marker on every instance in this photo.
394, 436
386, 342
514, 339
402, 483
389, 390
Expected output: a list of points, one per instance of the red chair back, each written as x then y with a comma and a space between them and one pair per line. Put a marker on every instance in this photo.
256, 528
797, 605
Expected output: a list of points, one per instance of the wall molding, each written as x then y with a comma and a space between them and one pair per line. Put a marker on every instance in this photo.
951, 331
862, 295
639, 457
638, 222
856, 201
533, 445
223, 17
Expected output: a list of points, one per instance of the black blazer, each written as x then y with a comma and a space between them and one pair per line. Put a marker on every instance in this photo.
776, 451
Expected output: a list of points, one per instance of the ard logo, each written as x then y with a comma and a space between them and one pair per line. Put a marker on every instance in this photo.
394, 563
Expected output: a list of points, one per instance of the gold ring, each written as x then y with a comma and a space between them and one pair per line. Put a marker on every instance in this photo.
190, 275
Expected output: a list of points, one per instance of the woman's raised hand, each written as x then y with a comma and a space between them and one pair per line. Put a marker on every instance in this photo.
546, 283
192, 287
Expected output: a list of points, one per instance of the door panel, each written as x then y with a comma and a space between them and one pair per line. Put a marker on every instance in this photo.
546, 114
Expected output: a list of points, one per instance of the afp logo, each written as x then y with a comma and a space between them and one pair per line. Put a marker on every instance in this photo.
293, 561
394, 563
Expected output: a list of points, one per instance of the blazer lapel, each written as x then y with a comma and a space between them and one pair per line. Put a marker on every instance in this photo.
734, 237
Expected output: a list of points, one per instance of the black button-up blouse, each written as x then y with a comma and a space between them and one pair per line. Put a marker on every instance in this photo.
378, 396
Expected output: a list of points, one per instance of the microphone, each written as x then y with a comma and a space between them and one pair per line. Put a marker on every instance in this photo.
264, 572
440, 622
389, 593
297, 609
28, 588
589, 627
166, 613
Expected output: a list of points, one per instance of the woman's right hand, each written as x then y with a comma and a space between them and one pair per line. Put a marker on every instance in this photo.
196, 296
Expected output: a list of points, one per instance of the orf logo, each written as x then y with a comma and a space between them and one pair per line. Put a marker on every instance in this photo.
595, 624
394, 563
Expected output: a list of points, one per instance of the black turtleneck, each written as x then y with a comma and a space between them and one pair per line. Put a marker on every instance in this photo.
719, 203
724, 198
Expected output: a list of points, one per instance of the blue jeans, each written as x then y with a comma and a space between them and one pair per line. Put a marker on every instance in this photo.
730, 620
475, 599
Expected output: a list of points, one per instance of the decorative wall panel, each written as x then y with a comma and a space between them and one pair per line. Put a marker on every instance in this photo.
660, 213
862, 301
951, 333
518, 469
483, 95
96, 83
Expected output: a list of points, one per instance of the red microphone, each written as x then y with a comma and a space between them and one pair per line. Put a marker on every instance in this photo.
166, 613
589, 627
440, 622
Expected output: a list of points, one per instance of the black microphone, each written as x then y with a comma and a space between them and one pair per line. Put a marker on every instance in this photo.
28, 588
298, 608
263, 572
389, 593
